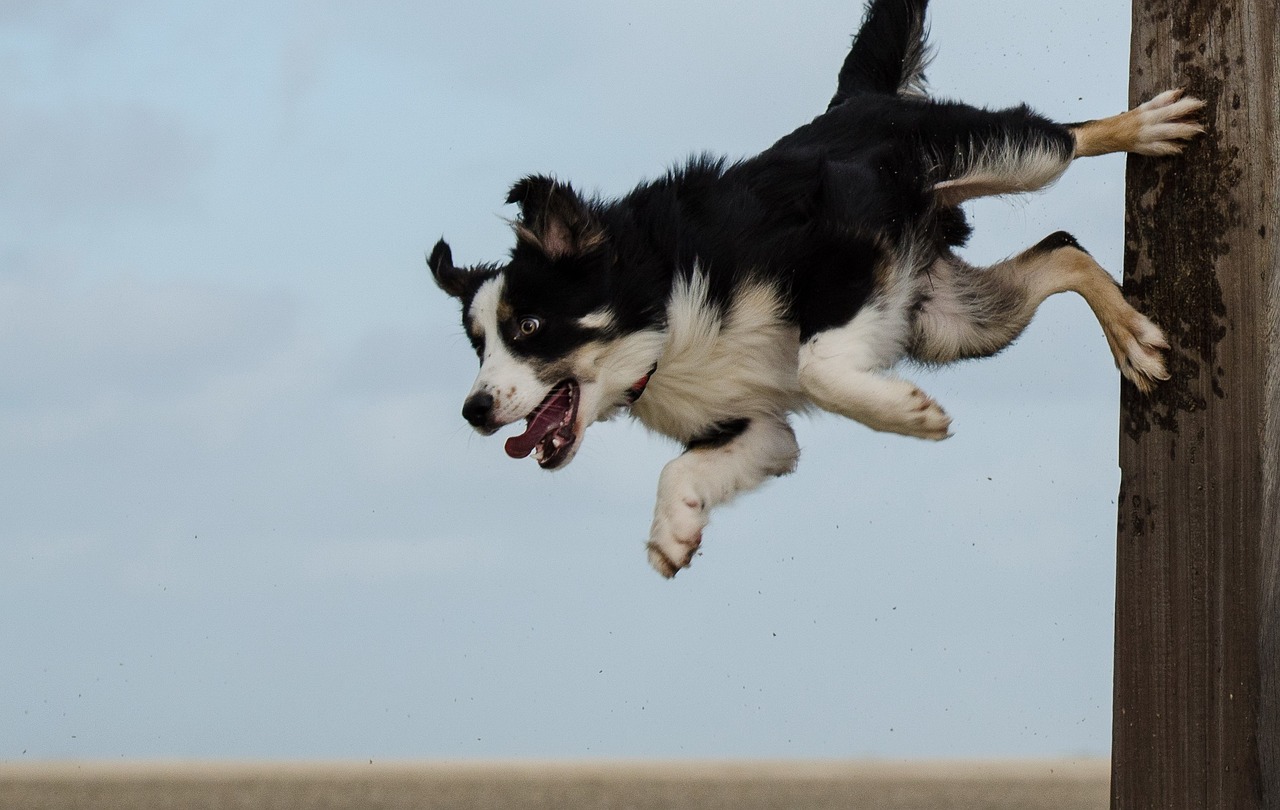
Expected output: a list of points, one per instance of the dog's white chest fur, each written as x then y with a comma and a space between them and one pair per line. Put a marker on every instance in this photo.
716, 366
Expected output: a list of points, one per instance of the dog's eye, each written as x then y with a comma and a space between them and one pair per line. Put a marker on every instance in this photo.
529, 326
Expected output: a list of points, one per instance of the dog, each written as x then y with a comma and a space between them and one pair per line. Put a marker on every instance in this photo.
716, 301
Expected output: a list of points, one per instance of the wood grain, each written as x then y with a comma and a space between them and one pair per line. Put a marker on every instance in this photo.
1197, 660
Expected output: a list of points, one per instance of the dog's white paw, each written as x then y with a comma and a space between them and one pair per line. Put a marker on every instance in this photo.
927, 419
904, 408
676, 533
1139, 347
1165, 123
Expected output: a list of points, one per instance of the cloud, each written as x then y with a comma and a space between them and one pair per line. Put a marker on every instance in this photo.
119, 399
65, 22
100, 159
79, 138
64, 339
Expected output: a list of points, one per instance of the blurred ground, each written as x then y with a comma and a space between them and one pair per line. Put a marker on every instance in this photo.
1030, 785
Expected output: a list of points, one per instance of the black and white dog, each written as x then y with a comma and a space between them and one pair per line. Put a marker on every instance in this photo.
716, 301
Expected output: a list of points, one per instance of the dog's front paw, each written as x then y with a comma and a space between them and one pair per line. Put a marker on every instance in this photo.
676, 533
1166, 122
927, 419
901, 407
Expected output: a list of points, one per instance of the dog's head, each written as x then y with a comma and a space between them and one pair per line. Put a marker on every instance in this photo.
560, 344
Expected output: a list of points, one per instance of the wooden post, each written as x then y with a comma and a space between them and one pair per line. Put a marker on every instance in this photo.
1197, 659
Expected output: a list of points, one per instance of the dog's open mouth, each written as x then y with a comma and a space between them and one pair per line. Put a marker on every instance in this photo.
550, 430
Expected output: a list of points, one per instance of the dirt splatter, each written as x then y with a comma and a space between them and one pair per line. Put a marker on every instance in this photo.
1180, 214
1140, 515
1191, 19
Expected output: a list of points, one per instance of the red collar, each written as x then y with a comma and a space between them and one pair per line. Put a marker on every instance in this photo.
636, 390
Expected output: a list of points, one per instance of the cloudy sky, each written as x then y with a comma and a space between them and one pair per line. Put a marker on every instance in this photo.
240, 515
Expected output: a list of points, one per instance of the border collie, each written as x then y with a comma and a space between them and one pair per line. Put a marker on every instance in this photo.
716, 301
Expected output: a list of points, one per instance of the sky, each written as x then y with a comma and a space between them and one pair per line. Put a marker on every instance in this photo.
241, 516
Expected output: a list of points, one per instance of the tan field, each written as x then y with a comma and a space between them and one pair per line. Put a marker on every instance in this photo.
738, 785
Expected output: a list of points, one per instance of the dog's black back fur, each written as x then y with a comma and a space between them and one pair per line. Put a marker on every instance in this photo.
816, 211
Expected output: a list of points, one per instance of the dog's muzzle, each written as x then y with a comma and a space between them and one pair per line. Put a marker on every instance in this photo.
477, 410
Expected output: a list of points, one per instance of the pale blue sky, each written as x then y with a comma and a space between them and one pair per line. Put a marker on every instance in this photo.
240, 515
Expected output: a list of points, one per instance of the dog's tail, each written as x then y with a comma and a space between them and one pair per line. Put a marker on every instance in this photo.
889, 54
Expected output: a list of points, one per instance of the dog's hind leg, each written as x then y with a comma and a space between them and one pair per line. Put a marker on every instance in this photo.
980, 153
733, 457
1161, 126
976, 312
984, 153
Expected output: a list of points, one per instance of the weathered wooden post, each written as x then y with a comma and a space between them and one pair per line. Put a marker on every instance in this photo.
1197, 660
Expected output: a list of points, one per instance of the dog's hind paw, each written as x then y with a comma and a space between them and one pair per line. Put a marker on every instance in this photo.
1139, 347
1165, 123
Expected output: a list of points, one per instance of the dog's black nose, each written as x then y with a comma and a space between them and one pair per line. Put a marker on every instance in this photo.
476, 409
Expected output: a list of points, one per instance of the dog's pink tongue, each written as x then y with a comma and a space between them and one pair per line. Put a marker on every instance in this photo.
542, 422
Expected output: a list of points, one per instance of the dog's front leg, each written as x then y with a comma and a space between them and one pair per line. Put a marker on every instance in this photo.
735, 456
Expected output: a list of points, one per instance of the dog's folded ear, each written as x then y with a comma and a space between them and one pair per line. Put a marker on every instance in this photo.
453, 280
554, 219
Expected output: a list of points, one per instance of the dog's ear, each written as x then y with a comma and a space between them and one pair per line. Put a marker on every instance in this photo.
454, 280
553, 218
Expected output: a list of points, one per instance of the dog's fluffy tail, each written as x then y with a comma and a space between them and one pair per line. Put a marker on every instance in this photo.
889, 54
